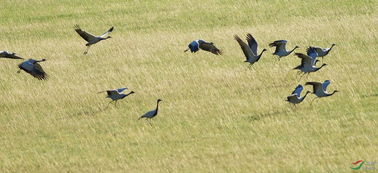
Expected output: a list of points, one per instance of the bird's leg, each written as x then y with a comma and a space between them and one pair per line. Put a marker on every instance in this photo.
115, 103
86, 51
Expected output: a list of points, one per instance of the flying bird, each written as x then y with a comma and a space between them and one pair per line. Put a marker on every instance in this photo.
195, 45
322, 52
308, 62
152, 113
32, 67
92, 39
7, 54
281, 48
250, 50
116, 94
320, 89
295, 96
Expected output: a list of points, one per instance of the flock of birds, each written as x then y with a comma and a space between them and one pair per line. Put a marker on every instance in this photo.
308, 64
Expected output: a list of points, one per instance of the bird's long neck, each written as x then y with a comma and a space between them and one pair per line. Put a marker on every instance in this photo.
330, 48
261, 53
305, 95
320, 67
332, 93
258, 57
292, 50
157, 106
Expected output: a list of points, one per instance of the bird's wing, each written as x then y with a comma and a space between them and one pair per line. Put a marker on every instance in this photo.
279, 44
316, 86
107, 32
297, 91
38, 72
306, 60
246, 49
318, 50
120, 90
11, 55
148, 114
210, 48
311, 51
325, 84
112, 92
86, 36
252, 43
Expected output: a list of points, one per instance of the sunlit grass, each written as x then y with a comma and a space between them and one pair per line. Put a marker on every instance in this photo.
216, 114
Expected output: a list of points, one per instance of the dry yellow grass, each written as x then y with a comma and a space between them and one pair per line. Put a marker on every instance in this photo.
216, 115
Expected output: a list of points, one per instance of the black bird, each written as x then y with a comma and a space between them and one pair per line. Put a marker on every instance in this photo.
11, 55
32, 67
152, 113
195, 45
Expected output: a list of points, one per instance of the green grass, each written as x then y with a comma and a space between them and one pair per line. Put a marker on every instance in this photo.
216, 116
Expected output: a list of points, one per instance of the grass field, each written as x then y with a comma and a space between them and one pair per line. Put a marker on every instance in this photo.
216, 115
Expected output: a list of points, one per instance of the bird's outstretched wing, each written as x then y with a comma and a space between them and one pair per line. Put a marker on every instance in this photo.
86, 36
210, 48
252, 43
306, 60
297, 91
311, 52
245, 48
112, 92
107, 32
325, 84
316, 86
38, 72
11, 55
120, 90
279, 44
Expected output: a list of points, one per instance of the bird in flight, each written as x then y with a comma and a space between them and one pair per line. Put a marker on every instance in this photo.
281, 48
295, 96
117, 94
90, 38
195, 45
33, 67
250, 50
11, 55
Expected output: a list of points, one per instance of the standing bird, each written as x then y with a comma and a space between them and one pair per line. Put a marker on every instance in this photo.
11, 55
281, 48
250, 50
195, 45
308, 62
322, 52
152, 113
32, 67
91, 39
320, 89
116, 94
295, 96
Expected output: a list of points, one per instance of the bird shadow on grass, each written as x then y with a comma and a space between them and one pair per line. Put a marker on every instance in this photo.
260, 116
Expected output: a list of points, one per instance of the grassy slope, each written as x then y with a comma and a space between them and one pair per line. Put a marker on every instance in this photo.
216, 114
